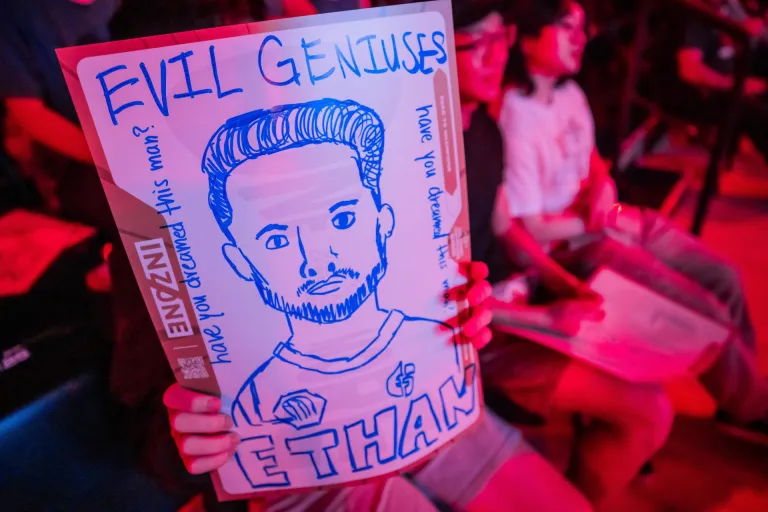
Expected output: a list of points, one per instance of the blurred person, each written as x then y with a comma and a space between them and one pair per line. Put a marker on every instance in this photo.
706, 63
46, 139
294, 8
559, 191
630, 422
143, 18
42, 132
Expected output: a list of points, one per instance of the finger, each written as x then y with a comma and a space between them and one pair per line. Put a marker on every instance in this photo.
569, 327
598, 316
192, 423
200, 465
480, 319
479, 292
478, 271
208, 445
457, 293
482, 339
594, 309
465, 268
587, 293
186, 400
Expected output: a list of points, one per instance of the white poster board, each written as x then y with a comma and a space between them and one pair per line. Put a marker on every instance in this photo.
291, 197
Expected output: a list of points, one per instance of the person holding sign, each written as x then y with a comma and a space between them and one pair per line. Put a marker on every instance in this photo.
487, 468
559, 190
520, 369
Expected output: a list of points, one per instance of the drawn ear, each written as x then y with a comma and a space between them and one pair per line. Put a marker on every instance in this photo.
237, 261
386, 221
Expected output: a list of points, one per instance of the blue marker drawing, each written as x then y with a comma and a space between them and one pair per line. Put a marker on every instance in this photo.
316, 251
400, 382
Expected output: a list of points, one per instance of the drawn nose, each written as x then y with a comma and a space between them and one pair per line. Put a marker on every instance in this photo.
305, 270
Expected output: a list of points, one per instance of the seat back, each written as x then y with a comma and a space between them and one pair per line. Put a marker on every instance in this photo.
60, 454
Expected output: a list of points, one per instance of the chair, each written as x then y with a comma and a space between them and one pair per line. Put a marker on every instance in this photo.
59, 453
663, 93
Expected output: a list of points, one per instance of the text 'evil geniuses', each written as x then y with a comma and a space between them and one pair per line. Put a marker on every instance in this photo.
145, 85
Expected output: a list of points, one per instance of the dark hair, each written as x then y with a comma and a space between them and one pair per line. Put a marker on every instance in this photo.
531, 17
469, 12
265, 132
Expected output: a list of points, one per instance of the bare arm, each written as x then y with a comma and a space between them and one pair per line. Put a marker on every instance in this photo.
49, 128
527, 252
546, 228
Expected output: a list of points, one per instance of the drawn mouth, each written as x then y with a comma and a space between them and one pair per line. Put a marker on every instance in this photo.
325, 287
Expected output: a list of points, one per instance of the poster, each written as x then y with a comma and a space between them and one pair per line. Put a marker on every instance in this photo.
291, 196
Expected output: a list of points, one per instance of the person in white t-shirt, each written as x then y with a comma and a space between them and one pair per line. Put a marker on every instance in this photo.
559, 190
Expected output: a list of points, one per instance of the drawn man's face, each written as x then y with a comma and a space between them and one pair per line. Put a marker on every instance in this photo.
307, 231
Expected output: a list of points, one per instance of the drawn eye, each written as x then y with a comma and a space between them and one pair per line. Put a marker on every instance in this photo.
343, 220
276, 242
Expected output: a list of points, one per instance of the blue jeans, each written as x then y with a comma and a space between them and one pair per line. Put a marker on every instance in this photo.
670, 261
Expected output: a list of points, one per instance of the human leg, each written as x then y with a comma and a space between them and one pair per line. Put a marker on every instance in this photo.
490, 468
629, 422
735, 382
685, 254
395, 494
668, 260
657, 254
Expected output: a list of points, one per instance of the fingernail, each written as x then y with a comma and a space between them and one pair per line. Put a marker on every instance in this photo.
214, 404
234, 439
228, 422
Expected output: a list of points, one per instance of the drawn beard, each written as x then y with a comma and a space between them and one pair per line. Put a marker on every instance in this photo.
330, 313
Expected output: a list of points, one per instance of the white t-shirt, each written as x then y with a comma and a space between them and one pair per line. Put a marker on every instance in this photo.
547, 150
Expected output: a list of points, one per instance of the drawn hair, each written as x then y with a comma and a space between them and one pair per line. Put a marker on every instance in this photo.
265, 132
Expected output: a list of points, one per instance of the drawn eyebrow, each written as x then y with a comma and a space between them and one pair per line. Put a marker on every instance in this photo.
271, 227
338, 205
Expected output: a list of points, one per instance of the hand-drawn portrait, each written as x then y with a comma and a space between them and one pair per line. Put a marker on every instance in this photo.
296, 192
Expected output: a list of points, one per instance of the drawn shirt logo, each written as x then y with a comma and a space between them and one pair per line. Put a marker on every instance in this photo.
400, 381
300, 409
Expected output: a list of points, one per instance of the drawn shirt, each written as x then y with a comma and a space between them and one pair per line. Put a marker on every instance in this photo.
397, 366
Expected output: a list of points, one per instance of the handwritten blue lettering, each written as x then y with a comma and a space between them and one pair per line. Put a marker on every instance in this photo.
317, 447
262, 468
437, 216
317, 56
294, 78
166, 203
215, 69
343, 60
428, 161
109, 91
191, 93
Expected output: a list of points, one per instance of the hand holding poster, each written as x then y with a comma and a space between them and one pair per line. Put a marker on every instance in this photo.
291, 198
